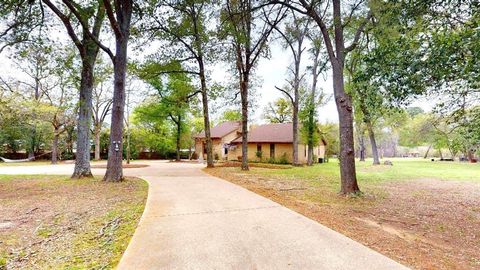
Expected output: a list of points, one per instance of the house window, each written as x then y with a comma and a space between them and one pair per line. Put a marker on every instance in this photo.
259, 148
272, 150
204, 148
306, 150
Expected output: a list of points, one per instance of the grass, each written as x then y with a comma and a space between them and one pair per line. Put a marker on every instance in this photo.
73, 224
402, 169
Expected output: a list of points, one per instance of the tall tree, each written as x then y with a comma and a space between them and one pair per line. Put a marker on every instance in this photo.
120, 22
33, 59
316, 98
102, 104
61, 98
89, 16
176, 95
333, 26
294, 36
249, 35
191, 42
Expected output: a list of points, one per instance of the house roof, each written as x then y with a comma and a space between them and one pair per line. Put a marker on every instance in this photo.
270, 133
221, 130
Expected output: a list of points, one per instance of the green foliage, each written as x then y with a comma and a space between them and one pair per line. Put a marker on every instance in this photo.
279, 111
163, 120
230, 115
309, 133
259, 154
283, 159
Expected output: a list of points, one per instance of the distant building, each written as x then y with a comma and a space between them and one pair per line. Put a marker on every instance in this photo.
265, 142
221, 135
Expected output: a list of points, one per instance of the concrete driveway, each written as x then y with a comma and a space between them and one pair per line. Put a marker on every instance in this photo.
196, 221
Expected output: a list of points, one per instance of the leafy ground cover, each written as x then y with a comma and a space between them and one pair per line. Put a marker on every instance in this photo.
52, 222
421, 213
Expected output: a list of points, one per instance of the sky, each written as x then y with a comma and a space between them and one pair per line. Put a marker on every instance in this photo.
270, 73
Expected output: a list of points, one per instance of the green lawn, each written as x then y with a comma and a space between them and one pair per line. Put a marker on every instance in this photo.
403, 169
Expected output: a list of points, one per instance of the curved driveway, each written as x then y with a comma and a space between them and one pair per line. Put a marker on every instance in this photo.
196, 221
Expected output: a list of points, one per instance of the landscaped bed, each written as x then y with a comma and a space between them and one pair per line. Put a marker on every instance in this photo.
421, 213
53, 222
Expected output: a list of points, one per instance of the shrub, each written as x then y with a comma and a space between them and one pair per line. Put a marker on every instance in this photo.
272, 160
216, 157
283, 159
259, 154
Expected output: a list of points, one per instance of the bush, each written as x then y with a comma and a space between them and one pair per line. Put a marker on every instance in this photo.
272, 160
216, 157
283, 159
259, 154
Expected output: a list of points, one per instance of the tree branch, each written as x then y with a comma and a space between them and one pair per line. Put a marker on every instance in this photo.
286, 93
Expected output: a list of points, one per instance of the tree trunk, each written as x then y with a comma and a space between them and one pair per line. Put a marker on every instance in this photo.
373, 142
31, 148
55, 147
313, 95
471, 155
347, 150
82, 157
129, 154
206, 116
244, 97
295, 130
311, 128
310, 153
97, 143
361, 140
428, 150
179, 132
114, 171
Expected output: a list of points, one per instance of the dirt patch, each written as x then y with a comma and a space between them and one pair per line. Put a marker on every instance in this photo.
424, 224
124, 166
55, 222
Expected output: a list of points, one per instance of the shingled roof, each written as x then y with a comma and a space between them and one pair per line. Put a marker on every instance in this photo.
270, 133
221, 130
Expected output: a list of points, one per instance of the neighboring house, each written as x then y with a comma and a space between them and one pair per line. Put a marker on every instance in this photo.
221, 135
271, 140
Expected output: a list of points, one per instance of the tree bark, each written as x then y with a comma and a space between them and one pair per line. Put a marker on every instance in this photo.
82, 157
428, 150
129, 154
313, 94
373, 143
97, 142
114, 171
179, 133
55, 147
361, 140
244, 98
206, 116
343, 101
